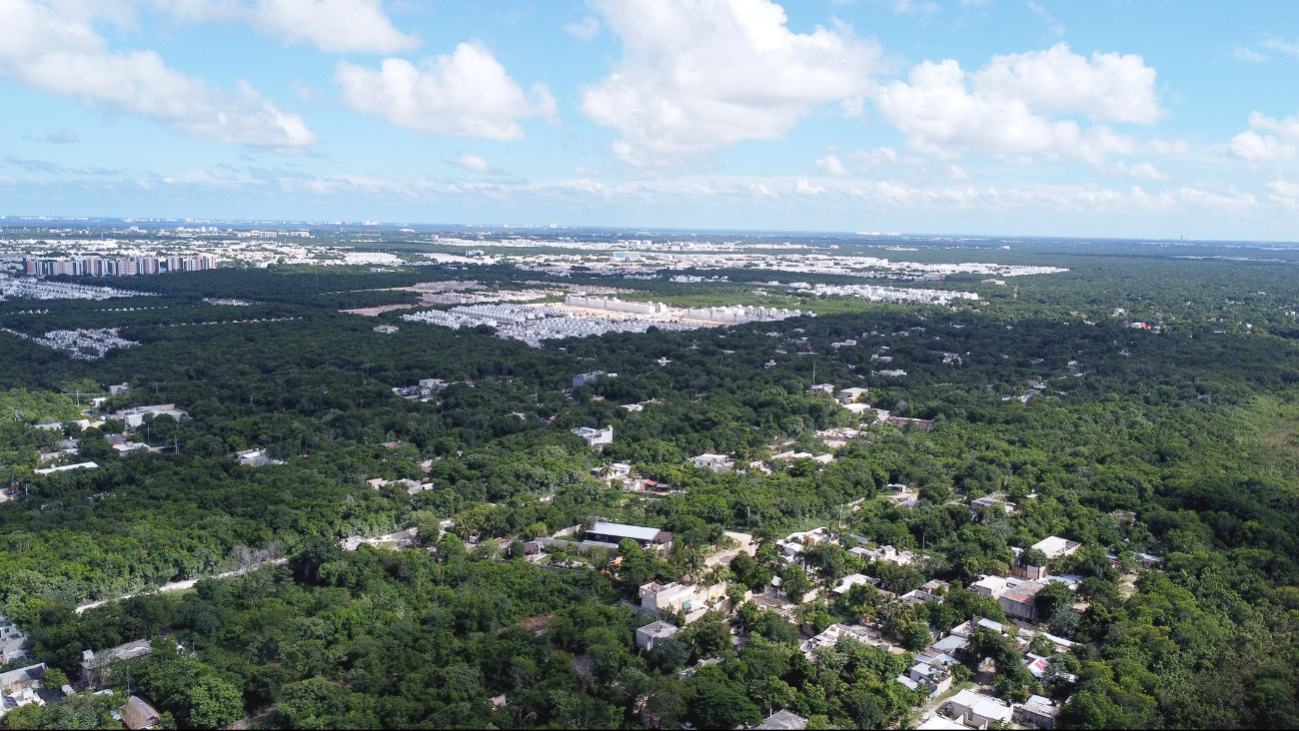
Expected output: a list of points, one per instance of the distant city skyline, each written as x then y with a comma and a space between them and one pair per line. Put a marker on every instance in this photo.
985, 117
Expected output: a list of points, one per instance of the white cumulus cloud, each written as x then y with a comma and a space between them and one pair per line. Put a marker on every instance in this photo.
465, 94
1006, 108
61, 54
1285, 193
1278, 141
806, 188
473, 163
1139, 171
878, 156
333, 26
1108, 86
831, 165
699, 74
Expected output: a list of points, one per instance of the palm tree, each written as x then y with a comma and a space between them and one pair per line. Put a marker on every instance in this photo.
692, 563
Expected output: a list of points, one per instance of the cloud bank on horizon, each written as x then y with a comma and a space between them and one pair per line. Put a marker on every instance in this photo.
984, 116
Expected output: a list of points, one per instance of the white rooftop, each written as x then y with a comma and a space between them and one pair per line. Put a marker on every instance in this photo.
1057, 640
984, 705
660, 629
1055, 546
65, 468
1042, 706
850, 581
637, 532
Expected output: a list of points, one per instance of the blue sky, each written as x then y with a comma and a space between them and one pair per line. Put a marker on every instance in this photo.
996, 117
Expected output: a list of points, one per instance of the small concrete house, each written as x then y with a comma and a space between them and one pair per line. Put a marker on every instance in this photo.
95, 665
978, 710
650, 634
1038, 711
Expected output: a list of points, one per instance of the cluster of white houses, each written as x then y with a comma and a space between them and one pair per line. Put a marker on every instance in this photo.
677, 603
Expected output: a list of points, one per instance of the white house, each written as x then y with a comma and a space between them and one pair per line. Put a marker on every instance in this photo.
830, 637
134, 417
993, 586
979, 710
692, 599
613, 533
1038, 711
256, 458
651, 633
595, 437
888, 554
936, 678
851, 395
11, 641
1054, 547
717, 463
851, 580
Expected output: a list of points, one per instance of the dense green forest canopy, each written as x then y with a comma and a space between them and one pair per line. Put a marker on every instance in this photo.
1180, 442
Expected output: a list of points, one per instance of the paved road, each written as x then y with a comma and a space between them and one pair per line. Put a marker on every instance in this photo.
178, 585
747, 545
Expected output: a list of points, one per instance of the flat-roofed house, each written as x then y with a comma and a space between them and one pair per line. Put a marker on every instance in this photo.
95, 665
889, 554
1039, 711
993, 586
1019, 600
614, 533
650, 634
595, 437
692, 599
1054, 547
936, 678
851, 395
11, 641
717, 463
134, 416
979, 710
